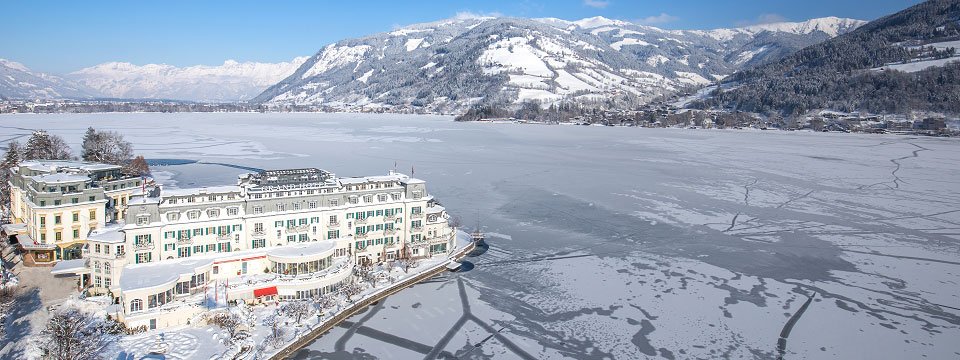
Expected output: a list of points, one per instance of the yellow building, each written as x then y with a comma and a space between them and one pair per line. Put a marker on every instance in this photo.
61, 202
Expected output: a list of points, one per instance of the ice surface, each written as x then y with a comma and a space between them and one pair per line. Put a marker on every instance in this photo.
624, 242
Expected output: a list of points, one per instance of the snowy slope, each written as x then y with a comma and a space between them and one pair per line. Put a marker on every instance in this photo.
452, 64
231, 81
19, 82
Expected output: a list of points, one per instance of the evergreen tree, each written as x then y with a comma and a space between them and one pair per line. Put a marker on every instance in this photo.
44, 146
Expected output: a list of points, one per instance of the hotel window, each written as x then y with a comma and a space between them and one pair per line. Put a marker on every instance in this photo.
368, 199
258, 209
96, 266
304, 238
198, 249
334, 202
76, 217
333, 219
57, 220
142, 239
312, 204
352, 199
143, 258
74, 201
258, 227
333, 234
172, 201
417, 195
259, 243
58, 236
213, 213
43, 221
415, 210
56, 202
291, 238
183, 252
257, 196
43, 203
395, 196
76, 233
93, 214
96, 281
232, 211
193, 214
414, 237
106, 268
143, 220
93, 198
43, 238
198, 232
210, 248
296, 206
136, 305
281, 207
382, 197
97, 247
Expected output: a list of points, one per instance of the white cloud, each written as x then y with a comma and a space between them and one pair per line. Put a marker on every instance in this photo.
663, 18
763, 19
599, 4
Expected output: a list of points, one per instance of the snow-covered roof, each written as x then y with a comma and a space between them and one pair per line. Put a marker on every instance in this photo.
161, 274
60, 178
27, 242
11, 229
301, 252
393, 176
109, 234
54, 165
435, 209
200, 191
75, 266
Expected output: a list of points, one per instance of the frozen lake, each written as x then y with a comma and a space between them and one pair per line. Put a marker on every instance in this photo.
622, 242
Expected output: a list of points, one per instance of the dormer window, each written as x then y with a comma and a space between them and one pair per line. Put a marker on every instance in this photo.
143, 220
193, 214
213, 213
173, 216
232, 211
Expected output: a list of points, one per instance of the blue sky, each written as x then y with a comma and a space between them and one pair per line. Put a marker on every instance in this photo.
62, 36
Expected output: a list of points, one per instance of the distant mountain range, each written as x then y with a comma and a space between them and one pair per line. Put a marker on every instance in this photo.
451, 65
19, 82
904, 62
232, 81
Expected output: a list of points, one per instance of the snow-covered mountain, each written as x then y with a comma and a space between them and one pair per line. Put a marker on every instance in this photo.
449, 65
232, 81
19, 82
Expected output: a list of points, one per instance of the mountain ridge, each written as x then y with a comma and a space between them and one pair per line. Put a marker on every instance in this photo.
453, 64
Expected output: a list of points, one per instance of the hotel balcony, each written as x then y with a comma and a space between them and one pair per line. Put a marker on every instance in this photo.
389, 218
361, 221
224, 237
143, 246
334, 224
298, 228
360, 236
184, 241
416, 216
390, 231
416, 228
258, 234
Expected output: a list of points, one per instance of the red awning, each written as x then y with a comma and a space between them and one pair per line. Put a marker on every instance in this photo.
265, 291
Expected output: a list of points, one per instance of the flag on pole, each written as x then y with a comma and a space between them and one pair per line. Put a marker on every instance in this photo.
411, 170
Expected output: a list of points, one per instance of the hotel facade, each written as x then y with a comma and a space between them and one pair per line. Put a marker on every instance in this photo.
55, 204
278, 234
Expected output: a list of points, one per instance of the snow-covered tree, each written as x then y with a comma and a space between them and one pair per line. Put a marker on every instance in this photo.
71, 335
275, 323
10, 160
42, 145
227, 321
351, 289
106, 147
298, 310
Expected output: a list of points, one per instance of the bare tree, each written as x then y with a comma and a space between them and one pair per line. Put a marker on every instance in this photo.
136, 167
298, 310
227, 321
408, 261
71, 335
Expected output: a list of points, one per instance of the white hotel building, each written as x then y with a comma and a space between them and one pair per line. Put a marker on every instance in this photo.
277, 234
